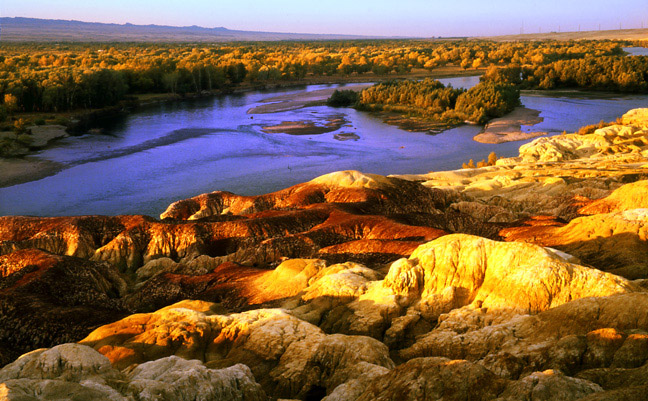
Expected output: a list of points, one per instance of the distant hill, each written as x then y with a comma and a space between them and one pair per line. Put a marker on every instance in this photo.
46, 30
616, 34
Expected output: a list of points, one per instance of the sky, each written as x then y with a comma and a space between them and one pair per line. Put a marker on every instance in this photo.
421, 18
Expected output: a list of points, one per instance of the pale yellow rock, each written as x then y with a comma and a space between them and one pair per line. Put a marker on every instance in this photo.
638, 117
485, 212
123, 251
340, 281
39, 389
614, 242
585, 333
333, 361
499, 275
352, 179
286, 280
352, 389
434, 379
334, 286
155, 266
174, 378
448, 273
72, 369
629, 196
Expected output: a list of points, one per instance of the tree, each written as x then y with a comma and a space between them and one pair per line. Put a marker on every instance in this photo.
20, 126
10, 103
487, 100
492, 159
343, 98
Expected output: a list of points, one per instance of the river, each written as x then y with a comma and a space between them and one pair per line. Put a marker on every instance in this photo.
146, 160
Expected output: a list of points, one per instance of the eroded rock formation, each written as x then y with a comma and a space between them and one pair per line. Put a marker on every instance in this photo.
73, 371
524, 280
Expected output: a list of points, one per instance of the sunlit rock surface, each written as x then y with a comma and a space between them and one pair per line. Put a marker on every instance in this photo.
72, 371
527, 280
288, 356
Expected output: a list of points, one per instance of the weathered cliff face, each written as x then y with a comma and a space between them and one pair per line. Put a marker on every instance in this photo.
628, 197
614, 242
297, 222
376, 194
48, 299
559, 180
524, 280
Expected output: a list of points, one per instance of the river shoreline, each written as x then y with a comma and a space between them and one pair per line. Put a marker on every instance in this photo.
27, 167
30, 168
509, 127
16, 171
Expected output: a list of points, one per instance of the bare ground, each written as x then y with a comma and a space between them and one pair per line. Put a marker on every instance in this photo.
615, 34
509, 127
299, 100
306, 127
16, 171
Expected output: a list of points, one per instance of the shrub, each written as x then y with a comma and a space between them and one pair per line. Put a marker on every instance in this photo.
61, 121
343, 98
492, 158
25, 139
589, 129
20, 126
471, 164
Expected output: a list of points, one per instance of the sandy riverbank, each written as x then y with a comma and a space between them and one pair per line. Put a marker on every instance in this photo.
300, 100
17, 171
509, 127
307, 127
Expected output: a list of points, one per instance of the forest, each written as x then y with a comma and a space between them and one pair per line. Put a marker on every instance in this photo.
38, 78
62, 77
498, 93
613, 74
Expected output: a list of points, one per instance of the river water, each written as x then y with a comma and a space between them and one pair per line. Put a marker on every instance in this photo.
148, 159
636, 51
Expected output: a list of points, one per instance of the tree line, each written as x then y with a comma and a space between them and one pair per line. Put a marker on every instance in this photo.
61, 77
608, 73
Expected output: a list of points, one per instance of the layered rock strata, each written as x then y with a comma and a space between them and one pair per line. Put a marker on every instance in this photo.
524, 280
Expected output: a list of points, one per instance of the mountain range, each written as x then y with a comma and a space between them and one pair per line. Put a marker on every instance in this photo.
48, 30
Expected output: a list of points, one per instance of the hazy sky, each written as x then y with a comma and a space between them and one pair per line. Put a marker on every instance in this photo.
376, 17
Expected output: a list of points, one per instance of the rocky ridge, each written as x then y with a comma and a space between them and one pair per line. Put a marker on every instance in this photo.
524, 280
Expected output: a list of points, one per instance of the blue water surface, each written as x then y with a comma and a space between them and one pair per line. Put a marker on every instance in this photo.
146, 160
